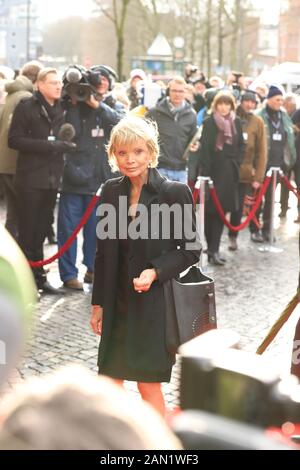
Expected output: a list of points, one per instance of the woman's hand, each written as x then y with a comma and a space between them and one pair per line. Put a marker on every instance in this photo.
194, 147
144, 282
96, 319
255, 185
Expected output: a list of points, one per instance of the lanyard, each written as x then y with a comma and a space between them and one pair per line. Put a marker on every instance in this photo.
277, 124
46, 114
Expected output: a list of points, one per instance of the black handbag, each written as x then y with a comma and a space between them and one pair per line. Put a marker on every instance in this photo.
189, 306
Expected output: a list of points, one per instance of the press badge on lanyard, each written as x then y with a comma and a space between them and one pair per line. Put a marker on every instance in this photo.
51, 137
245, 135
97, 132
277, 137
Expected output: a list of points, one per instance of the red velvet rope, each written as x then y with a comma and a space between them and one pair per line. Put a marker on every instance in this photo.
91, 206
66, 246
252, 213
290, 186
196, 194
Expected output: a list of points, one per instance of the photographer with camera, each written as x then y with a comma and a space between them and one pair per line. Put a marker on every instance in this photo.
236, 84
34, 133
93, 112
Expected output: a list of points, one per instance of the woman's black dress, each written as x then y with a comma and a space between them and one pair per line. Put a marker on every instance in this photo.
116, 364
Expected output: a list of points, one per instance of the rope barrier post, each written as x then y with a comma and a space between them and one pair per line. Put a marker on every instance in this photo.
203, 182
201, 186
269, 247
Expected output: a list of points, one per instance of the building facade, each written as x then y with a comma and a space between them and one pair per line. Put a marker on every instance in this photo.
289, 32
20, 37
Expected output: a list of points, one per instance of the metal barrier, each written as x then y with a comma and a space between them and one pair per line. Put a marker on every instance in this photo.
269, 247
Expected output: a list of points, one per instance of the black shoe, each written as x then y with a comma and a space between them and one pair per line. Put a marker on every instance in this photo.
232, 244
297, 221
282, 214
257, 237
47, 288
266, 237
216, 259
88, 278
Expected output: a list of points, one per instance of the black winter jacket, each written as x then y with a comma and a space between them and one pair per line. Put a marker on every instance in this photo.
87, 168
39, 164
145, 337
175, 133
222, 166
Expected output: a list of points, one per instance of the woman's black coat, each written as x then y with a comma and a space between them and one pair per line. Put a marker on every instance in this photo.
145, 342
222, 166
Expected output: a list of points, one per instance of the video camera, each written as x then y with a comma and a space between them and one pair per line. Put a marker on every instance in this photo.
80, 83
235, 384
189, 72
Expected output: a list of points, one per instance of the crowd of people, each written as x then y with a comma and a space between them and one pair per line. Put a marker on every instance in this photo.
245, 131
149, 153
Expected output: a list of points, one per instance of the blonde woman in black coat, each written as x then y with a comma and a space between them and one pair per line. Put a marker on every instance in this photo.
222, 150
128, 308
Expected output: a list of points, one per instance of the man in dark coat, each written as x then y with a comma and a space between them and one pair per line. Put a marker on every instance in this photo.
177, 124
281, 148
84, 172
34, 130
253, 167
18, 89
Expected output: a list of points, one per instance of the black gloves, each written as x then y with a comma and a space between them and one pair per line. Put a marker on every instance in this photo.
61, 146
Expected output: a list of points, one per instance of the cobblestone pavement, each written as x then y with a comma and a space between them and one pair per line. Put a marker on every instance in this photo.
251, 292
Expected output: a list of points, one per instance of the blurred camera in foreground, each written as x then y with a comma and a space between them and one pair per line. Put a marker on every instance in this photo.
236, 384
233, 399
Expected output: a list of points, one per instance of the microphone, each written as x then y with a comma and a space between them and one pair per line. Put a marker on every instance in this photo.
66, 132
73, 75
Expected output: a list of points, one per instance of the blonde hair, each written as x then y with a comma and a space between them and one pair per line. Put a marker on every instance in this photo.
127, 132
177, 79
73, 409
42, 75
223, 97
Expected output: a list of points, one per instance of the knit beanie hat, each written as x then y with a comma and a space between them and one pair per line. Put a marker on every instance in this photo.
249, 96
274, 91
107, 72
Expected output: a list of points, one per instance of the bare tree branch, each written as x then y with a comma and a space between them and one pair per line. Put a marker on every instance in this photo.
104, 10
118, 18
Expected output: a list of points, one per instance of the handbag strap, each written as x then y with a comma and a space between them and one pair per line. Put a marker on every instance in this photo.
211, 308
163, 187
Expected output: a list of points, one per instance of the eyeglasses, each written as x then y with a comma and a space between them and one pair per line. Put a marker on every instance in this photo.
56, 83
176, 91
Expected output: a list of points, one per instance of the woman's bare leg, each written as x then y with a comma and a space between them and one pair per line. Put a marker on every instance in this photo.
152, 393
119, 382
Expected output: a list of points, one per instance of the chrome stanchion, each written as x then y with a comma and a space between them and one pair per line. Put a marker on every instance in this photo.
269, 247
201, 186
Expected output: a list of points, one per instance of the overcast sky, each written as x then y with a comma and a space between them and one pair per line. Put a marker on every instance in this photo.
270, 9
56, 9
